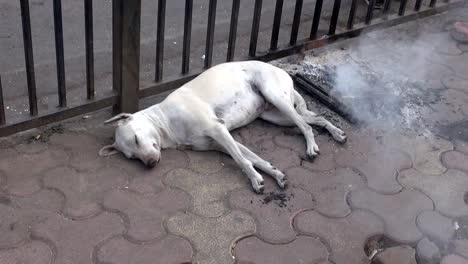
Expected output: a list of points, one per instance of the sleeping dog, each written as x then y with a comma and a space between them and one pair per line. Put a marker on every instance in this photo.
200, 115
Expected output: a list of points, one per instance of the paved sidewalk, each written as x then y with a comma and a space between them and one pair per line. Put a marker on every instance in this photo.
396, 191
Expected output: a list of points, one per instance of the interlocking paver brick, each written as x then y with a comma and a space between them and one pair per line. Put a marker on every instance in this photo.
461, 247
169, 250
146, 213
461, 146
427, 252
400, 255
208, 190
17, 214
457, 63
448, 48
31, 147
454, 259
273, 210
425, 150
323, 162
437, 227
75, 240
257, 132
84, 190
455, 160
447, 191
379, 167
302, 250
23, 171
329, 188
205, 161
455, 82
144, 180
84, 150
398, 211
346, 237
212, 237
33, 252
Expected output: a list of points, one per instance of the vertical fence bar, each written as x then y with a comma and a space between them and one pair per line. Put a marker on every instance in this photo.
316, 19
2, 107
370, 11
187, 36
352, 14
276, 25
129, 78
386, 6
59, 54
210, 33
233, 30
296, 22
255, 28
28, 56
161, 24
417, 5
116, 47
334, 17
401, 10
89, 39
432, 3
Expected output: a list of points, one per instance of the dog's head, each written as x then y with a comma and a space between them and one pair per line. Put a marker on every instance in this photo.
136, 138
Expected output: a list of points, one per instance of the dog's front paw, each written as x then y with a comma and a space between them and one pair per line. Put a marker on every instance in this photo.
258, 186
312, 152
339, 135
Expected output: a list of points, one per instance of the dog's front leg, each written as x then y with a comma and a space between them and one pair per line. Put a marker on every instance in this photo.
222, 136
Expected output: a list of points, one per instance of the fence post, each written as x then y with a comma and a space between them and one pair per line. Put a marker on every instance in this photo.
126, 20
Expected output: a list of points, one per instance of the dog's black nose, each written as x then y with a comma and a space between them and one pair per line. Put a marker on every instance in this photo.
151, 163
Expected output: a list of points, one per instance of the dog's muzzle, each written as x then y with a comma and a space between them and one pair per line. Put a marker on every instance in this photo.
151, 163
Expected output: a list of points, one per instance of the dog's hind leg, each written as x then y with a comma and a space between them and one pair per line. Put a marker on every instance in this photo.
263, 165
224, 139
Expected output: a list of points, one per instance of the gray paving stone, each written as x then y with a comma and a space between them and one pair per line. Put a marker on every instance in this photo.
461, 247
398, 211
455, 160
208, 191
447, 191
455, 82
75, 240
454, 259
84, 191
170, 250
146, 213
463, 47
380, 167
33, 252
394, 255
212, 237
205, 161
302, 250
21, 179
461, 146
346, 237
32, 147
436, 226
273, 211
427, 252
328, 188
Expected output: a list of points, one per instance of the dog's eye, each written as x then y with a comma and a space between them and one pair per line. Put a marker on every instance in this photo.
136, 141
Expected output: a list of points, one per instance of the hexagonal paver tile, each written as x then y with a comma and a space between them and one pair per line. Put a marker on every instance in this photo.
455, 82
323, 162
23, 180
84, 149
212, 237
437, 227
447, 191
398, 211
75, 240
144, 180
380, 167
32, 252
84, 191
400, 255
454, 259
346, 237
302, 250
424, 149
455, 160
146, 213
170, 250
273, 210
17, 214
329, 188
208, 190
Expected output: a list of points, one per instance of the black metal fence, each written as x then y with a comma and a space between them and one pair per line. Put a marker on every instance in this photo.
126, 16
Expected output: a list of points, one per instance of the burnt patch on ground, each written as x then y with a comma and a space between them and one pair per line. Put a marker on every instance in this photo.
280, 199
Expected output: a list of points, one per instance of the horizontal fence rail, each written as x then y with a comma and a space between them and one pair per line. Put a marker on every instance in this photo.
126, 23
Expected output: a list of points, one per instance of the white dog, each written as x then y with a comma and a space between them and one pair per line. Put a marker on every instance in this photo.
200, 114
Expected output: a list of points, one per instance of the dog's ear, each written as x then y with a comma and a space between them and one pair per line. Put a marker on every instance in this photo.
119, 119
108, 150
